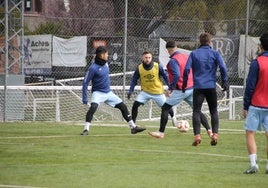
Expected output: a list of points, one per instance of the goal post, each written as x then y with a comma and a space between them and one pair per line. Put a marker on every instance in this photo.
64, 103
235, 102
61, 100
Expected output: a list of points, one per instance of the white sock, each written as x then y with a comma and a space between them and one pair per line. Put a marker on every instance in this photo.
131, 124
87, 124
252, 159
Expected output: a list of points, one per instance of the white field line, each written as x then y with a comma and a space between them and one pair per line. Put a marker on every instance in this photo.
222, 131
139, 150
17, 186
182, 152
230, 131
157, 126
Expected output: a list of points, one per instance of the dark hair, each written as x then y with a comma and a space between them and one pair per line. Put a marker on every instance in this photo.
264, 41
100, 50
171, 44
204, 39
146, 52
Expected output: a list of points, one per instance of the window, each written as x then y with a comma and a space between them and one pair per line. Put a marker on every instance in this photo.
28, 5
38, 5
32, 6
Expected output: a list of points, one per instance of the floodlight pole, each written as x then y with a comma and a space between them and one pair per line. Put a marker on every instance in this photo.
6, 61
246, 44
12, 33
125, 50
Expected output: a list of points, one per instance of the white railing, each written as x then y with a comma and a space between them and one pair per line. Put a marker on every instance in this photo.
233, 99
63, 103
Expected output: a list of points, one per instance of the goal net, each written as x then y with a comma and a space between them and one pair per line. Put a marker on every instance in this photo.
61, 101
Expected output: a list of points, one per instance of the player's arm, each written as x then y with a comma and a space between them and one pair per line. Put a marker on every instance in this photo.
223, 69
174, 68
186, 71
164, 75
88, 77
251, 83
134, 80
133, 83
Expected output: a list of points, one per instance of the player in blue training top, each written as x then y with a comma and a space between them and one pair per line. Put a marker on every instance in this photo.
98, 75
204, 62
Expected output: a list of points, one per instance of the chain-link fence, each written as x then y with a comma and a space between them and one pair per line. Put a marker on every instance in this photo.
127, 28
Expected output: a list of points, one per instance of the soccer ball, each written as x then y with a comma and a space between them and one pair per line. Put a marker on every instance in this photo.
183, 126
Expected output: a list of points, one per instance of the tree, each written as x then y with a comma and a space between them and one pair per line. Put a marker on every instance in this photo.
106, 17
48, 27
258, 23
145, 16
49, 19
140, 15
90, 17
211, 15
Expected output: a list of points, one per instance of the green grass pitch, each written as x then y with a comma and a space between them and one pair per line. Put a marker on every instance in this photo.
55, 155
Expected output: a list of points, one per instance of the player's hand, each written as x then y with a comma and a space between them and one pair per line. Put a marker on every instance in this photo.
183, 88
225, 87
245, 112
129, 95
168, 92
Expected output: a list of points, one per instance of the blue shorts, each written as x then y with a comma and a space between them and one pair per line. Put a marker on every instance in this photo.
257, 118
143, 97
109, 98
178, 96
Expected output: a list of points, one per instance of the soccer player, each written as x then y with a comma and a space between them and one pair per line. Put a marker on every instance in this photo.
255, 104
204, 62
149, 72
174, 93
98, 75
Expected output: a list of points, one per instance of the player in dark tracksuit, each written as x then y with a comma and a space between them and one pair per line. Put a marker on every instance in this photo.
204, 62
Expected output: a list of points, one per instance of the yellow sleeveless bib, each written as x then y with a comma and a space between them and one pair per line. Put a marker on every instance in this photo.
150, 81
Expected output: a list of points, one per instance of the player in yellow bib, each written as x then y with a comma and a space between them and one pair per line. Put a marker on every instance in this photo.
149, 72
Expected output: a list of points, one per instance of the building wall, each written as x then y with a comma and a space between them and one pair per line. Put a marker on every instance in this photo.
33, 21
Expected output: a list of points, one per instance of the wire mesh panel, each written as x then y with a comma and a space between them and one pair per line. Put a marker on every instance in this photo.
127, 29
64, 103
236, 102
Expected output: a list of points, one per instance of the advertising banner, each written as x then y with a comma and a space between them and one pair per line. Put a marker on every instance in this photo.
163, 53
69, 52
37, 54
251, 53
